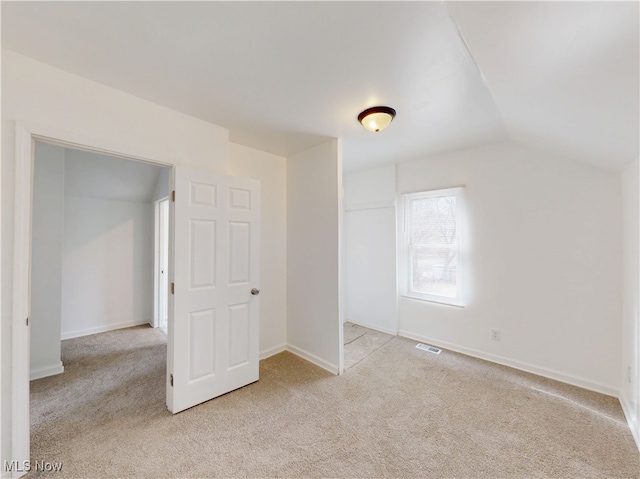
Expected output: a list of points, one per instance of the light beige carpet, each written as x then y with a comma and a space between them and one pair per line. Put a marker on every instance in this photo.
399, 412
360, 343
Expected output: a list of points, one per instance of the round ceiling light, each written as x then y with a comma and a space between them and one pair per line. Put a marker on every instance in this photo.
376, 118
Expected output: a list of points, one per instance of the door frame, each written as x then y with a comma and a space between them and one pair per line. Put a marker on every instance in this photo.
158, 234
25, 136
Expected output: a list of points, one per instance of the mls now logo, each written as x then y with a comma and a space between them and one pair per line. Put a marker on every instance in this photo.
26, 466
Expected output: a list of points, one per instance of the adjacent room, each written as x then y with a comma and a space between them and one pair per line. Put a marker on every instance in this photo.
93, 256
359, 239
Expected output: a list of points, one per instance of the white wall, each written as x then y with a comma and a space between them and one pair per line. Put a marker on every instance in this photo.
314, 201
46, 260
163, 185
271, 171
107, 265
370, 251
630, 318
545, 263
39, 94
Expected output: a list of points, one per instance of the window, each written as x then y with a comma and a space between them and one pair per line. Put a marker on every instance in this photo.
432, 246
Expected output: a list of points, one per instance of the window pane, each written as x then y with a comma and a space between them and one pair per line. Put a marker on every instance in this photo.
433, 220
434, 246
435, 270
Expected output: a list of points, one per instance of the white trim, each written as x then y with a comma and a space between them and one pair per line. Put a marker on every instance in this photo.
522, 366
342, 276
628, 414
25, 135
47, 371
157, 234
155, 320
78, 333
95, 145
370, 206
312, 358
435, 299
373, 326
267, 353
20, 350
444, 190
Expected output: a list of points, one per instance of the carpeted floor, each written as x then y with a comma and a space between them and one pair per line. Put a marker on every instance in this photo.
360, 343
398, 412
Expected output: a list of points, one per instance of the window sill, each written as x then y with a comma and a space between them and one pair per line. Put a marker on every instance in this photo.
435, 300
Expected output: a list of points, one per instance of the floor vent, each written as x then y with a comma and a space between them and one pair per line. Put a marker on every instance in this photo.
426, 347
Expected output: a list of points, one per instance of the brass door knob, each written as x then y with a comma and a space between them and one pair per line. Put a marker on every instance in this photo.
255, 292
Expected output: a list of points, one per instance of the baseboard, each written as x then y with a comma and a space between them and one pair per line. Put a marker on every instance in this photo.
374, 327
312, 358
102, 329
267, 353
522, 366
628, 413
46, 371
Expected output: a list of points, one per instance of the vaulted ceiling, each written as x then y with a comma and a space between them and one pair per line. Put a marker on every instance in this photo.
285, 76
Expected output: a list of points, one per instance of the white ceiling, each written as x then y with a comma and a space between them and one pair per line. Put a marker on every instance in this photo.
285, 76
563, 74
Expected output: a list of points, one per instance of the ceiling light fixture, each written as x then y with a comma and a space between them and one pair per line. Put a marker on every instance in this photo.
376, 118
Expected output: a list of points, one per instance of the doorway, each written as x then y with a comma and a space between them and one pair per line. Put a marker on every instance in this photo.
26, 137
92, 271
214, 245
92, 258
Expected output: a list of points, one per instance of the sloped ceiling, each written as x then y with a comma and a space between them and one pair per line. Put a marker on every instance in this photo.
564, 75
286, 76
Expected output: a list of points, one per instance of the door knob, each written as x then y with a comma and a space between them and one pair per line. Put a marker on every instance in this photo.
255, 291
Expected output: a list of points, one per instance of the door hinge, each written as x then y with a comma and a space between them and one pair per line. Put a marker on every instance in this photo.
173, 288
173, 196
27, 320
171, 379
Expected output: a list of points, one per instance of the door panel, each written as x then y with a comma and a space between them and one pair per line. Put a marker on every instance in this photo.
214, 336
240, 252
239, 343
202, 254
202, 334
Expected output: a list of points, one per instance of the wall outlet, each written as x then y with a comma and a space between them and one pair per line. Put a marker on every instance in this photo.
495, 334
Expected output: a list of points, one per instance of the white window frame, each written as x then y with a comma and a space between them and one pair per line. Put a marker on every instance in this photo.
407, 266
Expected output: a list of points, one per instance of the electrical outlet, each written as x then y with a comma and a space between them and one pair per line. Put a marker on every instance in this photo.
495, 334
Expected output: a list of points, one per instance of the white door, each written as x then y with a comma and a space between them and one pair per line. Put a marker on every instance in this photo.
213, 333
